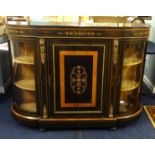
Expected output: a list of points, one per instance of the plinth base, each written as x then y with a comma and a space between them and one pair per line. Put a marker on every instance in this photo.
67, 122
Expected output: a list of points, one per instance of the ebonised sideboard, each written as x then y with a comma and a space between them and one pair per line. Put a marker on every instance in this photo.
77, 75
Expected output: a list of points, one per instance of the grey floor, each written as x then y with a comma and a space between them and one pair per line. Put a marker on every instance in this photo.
10, 129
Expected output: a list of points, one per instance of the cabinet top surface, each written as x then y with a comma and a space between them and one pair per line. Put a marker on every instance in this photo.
81, 24
89, 30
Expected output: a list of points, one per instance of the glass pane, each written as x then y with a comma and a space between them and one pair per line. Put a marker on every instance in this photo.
24, 53
24, 78
25, 100
131, 77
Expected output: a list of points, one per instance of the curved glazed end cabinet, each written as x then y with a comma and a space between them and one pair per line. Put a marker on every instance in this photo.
77, 75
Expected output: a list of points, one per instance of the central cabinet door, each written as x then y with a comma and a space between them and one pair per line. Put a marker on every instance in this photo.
78, 80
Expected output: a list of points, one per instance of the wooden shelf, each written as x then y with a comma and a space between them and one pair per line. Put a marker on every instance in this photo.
28, 106
24, 60
131, 62
128, 85
26, 84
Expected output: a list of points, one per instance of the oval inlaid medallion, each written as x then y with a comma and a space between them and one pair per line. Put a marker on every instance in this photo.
78, 79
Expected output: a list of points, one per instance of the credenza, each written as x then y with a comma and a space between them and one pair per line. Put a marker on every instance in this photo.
77, 75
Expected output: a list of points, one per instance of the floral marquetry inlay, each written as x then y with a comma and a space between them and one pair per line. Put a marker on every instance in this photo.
80, 33
78, 79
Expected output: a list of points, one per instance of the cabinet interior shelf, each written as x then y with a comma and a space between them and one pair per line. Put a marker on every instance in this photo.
128, 62
26, 84
28, 106
128, 85
24, 60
